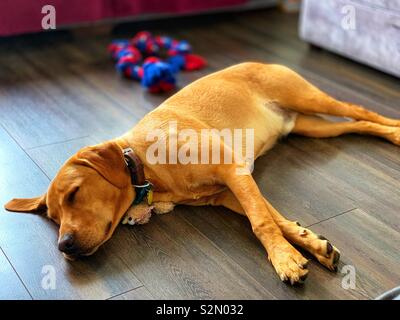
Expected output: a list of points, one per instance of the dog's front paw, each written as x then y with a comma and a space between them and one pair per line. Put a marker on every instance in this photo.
138, 214
163, 207
290, 265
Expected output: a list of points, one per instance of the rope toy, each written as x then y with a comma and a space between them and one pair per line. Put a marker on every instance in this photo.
140, 59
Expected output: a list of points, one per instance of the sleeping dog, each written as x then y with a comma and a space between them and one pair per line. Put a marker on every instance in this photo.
99, 184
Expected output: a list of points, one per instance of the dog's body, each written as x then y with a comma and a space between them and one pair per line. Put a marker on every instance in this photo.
271, 99
224, 100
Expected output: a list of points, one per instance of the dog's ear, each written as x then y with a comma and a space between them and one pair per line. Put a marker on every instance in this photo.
32, 205
108, 160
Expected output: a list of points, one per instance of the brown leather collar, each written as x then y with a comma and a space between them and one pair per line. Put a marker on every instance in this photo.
142, 187
135, 167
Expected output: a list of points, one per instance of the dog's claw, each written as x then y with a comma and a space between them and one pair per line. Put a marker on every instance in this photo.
331, 258
304, 277
320, 237
304, 265
336, 258
329, 249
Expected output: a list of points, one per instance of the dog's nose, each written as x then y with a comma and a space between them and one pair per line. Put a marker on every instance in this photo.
67, 244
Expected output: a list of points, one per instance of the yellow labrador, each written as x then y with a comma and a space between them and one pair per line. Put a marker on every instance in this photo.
93, 189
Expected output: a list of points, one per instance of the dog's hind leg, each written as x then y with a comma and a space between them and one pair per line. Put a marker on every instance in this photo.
316, 127
295, 93
317, 245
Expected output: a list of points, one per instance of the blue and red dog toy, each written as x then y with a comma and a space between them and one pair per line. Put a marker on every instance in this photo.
140, 59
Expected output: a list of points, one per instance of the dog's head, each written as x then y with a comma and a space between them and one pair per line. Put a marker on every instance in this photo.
87, 198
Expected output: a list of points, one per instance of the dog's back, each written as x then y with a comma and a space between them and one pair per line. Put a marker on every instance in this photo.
229, 99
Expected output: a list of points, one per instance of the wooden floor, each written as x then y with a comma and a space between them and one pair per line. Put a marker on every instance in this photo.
59, 92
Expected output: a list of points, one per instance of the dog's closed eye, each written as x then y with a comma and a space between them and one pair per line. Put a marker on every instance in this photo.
108, 228
71, 196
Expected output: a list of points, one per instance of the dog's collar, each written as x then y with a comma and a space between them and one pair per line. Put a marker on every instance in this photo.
142, 187
135, 167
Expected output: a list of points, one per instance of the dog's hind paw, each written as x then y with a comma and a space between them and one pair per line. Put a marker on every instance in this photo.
328, 255
320, 247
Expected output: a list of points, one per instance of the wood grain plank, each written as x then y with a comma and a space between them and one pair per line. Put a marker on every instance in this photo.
72, 107
370, 246
51, 157
299, 191
11, 287
23, 106
174, 261
233, 235
137, 294
360, 179
101, 117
